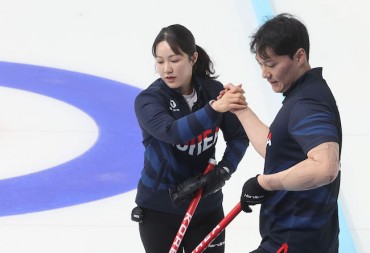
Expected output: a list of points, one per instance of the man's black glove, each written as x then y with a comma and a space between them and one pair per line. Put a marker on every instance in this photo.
252, 194
210, 182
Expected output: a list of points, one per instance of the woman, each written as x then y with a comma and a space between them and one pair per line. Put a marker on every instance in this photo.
180, 121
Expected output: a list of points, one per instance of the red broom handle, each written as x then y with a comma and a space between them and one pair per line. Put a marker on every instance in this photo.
189, 213
218, 229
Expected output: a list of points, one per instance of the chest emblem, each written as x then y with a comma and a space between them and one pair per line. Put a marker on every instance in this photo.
269, 138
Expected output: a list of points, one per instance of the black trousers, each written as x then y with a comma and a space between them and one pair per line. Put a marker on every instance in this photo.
158, 231
259, 250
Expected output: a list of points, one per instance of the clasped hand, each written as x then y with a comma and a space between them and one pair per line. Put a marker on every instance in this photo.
229, 99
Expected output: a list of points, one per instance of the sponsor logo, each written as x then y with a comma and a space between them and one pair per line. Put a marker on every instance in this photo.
173, 106
253, 197
209, 238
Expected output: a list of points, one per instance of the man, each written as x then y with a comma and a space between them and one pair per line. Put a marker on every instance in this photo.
299, 187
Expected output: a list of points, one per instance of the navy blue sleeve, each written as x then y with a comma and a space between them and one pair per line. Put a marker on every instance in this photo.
154, 116
236, 140
312, 123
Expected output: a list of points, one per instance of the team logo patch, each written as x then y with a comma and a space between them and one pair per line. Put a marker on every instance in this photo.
269, 138
173, 106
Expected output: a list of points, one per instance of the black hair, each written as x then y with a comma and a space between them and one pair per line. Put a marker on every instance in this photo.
181, 40
283, 34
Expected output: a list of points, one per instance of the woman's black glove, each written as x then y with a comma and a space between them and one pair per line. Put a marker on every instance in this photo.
186, 190
215, 180
210, 182
252, 194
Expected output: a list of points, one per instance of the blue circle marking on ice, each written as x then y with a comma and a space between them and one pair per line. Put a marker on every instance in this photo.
110, 167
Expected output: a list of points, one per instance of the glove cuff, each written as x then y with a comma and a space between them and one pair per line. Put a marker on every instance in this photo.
258, 186
225, 173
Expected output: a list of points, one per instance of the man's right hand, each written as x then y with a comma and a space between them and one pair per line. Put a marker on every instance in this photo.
252, 193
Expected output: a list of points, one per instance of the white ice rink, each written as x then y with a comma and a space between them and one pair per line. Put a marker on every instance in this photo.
112, 39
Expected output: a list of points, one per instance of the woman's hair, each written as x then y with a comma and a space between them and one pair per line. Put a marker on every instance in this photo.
181, 40
283, 35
